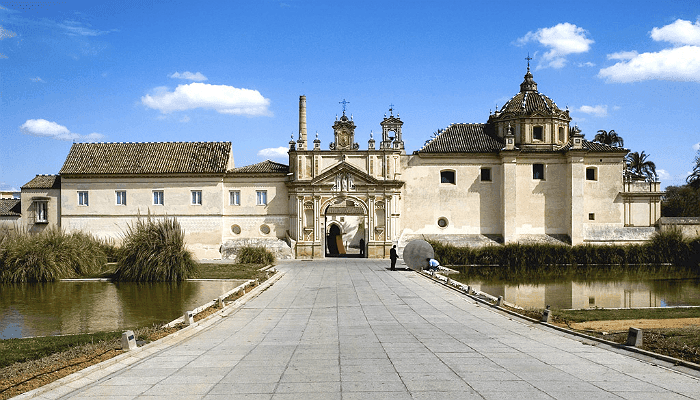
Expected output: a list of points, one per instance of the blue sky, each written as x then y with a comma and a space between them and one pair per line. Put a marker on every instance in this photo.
234, 71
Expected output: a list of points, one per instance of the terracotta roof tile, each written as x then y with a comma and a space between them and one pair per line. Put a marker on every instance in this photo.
44, 182
464, 138
10, 208
266, 166
596, 147
147, 158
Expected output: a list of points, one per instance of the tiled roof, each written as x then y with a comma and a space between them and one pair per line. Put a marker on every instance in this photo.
10, 208
464, 138
147, 158
44, 182
528, 102
265, 167
596, 147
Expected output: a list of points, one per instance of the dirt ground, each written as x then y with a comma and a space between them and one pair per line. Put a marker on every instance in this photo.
624, 325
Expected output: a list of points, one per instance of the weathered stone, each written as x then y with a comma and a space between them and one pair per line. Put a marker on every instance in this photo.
278, 247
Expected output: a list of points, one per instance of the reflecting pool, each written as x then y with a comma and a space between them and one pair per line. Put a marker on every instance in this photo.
577, 293
68, 307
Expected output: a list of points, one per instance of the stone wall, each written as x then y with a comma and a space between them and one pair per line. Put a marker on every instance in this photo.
612, 234
278, 247
689, 226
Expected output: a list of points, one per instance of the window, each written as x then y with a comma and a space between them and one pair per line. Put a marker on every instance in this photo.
234, 198
41, 212
590, 174
121, 197
442, 222
536, 133
262, 197
82, 198
561, 134
538, 171
591, 216
158, 198
196, 197
486, 174
447, 177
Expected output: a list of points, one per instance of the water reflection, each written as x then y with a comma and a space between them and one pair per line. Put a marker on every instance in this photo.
574, 292
41, 309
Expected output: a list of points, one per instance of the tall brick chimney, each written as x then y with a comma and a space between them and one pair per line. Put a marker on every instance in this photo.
302, 123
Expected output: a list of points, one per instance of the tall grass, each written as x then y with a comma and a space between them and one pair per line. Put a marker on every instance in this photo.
668, 247
255, 255
49, 255
154, 251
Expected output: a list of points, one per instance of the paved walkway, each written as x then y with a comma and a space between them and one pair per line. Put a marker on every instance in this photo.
352, 329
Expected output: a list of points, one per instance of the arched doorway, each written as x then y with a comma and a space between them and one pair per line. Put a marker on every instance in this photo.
345, 222
334, 241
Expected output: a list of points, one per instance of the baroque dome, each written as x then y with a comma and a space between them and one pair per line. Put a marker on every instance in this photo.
529, 100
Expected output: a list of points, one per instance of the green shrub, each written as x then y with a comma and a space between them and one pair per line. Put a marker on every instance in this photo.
669, 247
153, 250
255, 255
49, 255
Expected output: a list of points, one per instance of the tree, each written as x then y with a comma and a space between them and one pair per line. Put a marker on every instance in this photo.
694, 178
433, 136
681, 201
638, 164
610, 138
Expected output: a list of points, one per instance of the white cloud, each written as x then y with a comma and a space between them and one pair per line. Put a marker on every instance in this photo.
274, 152
224, 99
678, 63
5, 34
76, 28
44, 128
679, 33
623, 55
663, 175
37, 79
598, 111
586, 64
696, 146
185, 119
197, 76
562, 39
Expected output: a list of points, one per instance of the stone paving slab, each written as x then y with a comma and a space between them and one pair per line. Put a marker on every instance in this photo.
352, 329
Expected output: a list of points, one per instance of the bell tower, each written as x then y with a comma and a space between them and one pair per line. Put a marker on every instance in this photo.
391, 131
344, 131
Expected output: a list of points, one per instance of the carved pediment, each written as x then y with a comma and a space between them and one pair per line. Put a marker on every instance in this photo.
344, 177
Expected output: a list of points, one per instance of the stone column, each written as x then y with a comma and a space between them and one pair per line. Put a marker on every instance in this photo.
577, 177
509, 197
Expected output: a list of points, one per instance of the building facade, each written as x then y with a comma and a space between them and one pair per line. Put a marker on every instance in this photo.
525, 175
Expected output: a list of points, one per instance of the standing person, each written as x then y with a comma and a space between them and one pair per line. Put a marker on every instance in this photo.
362, 247
394, 256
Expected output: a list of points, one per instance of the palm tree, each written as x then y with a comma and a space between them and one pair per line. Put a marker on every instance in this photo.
694, 178
610, 138
433, 136
638, 164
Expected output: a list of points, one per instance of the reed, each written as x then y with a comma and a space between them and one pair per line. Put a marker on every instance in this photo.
668, 247
153, 250
49, 255
255, 255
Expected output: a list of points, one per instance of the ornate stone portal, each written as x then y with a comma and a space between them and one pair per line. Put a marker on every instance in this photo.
344, 196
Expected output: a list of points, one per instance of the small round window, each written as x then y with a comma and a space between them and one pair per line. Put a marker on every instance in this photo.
236, 229
442, 222
264, 229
